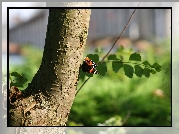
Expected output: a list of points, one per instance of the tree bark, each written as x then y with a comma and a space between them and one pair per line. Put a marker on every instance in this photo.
48, 98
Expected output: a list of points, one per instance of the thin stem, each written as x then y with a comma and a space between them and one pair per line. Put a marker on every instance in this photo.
120, 34
82, 85
127, 117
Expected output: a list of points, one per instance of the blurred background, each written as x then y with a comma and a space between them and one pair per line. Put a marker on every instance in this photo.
113, 100
28, 26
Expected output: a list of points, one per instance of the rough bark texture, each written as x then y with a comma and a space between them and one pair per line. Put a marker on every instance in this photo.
48, 98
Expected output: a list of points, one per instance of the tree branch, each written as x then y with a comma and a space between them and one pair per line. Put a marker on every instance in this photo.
120, 35
112, 46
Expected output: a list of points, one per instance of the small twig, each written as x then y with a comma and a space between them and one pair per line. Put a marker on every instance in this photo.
82, 85
120, 34
111, 47
126, 118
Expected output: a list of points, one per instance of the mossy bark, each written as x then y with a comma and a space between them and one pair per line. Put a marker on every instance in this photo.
48, 98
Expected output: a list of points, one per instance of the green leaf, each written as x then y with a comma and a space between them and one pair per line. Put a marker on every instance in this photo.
93, 57
82, 75
99, 50
88, 74
17, 79
128, 70
135, 56
112, 57
153, 71
146, 72
116, 66
138, 70
102, 69
146, 63
120, 49
157, 67
15, 74
16, 84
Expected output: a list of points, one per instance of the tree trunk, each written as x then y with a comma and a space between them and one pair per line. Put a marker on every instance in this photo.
48, 98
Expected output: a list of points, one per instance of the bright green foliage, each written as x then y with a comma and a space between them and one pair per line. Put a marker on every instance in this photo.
110, 98
32, 58
146, 63
135, 57
82, 75
17, 80
120, 49
99, 51
104, 98
87, 74
146, 72
138, 70
116, 66
93, 57
102, 69
128, 70
113, 121
153, 71
112, 57
157, 67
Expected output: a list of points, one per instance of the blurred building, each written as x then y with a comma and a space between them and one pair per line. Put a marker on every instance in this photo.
146, 24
